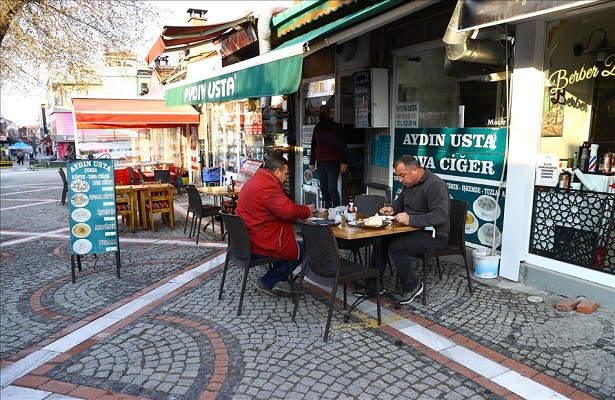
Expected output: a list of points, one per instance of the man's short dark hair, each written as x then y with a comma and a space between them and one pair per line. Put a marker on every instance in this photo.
274, 162
408, 160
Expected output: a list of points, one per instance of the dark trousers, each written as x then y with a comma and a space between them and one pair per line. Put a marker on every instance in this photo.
280, 269
328, 173
402, 248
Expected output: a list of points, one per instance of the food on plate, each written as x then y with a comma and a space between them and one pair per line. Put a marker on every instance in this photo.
373, 221
79, 200
81, 230
80, 186
307, 176
469, 218
82, 246
81, 214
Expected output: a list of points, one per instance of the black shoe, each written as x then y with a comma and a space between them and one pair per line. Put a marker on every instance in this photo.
408, 297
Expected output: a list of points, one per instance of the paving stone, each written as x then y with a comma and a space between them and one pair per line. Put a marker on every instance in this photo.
587, 306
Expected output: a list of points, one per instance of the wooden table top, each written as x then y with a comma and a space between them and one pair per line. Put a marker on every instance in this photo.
345, 231
144, 187
218, 190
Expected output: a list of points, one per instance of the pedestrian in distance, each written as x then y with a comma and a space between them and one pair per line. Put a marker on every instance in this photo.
20, 157
269, 214
329, 155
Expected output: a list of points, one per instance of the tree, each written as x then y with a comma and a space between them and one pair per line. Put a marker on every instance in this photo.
42, 38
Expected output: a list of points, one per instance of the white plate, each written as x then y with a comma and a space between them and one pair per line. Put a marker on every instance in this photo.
387, 217
82, 246
486, 215
315, 219
473, 226
80, 200
81, 215
487, 239
79, 186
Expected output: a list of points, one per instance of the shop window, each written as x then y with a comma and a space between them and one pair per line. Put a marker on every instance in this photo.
579, 95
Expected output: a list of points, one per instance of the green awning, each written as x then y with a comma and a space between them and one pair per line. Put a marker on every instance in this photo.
351, 19
303, 13
274, 73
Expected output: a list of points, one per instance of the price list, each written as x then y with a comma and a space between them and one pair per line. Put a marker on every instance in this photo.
92, 216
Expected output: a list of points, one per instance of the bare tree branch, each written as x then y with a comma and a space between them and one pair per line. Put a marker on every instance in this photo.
40, 39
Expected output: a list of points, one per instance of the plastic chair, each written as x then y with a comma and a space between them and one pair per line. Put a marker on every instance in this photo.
456, 244
322, 257
368, 204
64, 185
200, 211
239, 251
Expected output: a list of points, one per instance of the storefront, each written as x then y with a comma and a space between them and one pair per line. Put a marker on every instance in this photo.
137, 132
556, 236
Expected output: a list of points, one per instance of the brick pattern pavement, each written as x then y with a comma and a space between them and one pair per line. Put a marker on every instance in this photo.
189, 345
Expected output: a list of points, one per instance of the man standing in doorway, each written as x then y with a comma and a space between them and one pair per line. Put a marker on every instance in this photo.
329, 155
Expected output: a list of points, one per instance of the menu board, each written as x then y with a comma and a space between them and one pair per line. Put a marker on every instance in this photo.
380, 150
91, 205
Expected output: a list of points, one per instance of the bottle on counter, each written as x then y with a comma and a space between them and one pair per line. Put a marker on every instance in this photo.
584, 160
608, 162
575, 160
564, 179
232, 184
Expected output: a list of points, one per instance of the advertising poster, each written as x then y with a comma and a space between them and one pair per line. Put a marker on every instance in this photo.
309, 178
380, 150
471, 162
362, 98
91, 206
407, 115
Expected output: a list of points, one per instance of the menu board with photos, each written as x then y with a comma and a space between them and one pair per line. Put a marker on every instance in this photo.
91, 205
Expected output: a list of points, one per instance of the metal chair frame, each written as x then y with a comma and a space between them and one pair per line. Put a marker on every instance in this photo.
322, 257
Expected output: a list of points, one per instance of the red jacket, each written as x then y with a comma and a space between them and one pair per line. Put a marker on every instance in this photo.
268, 213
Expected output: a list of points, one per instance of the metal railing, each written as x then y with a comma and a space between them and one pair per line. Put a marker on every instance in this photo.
574, 226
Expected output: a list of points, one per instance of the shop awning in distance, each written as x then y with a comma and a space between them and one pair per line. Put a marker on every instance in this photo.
107, 113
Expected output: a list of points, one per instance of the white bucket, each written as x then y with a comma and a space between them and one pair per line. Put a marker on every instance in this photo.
486, 265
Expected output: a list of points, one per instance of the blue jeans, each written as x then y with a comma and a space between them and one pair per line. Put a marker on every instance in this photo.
280, 270
328, 173
402, 248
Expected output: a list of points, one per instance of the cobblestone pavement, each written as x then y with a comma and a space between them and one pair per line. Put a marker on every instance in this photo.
160, 332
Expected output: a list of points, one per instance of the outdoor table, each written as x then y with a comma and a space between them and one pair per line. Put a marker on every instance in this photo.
141, 210
220, 192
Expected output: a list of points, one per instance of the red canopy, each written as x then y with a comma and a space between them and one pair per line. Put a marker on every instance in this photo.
98, 113
176, 37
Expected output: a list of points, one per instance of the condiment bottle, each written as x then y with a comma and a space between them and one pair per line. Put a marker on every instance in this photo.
584, 157
564, 180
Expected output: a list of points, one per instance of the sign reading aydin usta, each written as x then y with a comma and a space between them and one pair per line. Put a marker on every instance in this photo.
467, 152
269, 79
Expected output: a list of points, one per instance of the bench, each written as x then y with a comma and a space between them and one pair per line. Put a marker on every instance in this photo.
33, 161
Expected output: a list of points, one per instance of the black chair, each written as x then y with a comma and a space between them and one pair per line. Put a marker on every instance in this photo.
239, 251
162, 175
456, 244
322, 257
133, 179
368, 204
200, 211
142, 177
64, 185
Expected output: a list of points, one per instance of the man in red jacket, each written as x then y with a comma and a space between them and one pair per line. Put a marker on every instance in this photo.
268, 213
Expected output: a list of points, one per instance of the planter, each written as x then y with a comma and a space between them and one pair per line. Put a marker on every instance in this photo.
6, 164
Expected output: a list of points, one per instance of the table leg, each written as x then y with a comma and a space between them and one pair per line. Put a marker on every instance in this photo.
143, 210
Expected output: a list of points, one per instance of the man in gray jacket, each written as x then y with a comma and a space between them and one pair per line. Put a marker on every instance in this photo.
424, 202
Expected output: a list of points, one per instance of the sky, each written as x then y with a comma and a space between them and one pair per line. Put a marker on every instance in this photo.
24, 110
